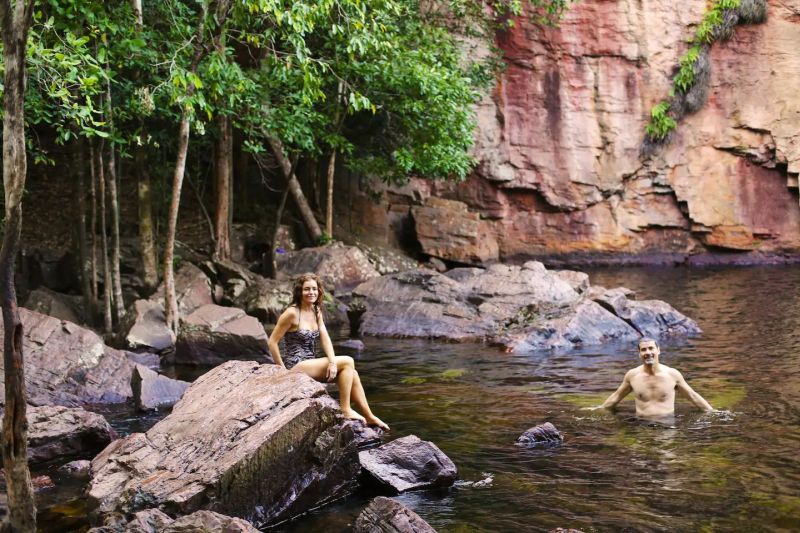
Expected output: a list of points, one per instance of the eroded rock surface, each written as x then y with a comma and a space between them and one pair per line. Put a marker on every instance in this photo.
146, 327
246, 440
384, 515
57, 431
68, 365
155, 521
409, 463
152, 390
339, 266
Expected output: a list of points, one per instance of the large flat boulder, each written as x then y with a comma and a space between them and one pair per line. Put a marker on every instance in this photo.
385, 515
213, 334
408, 463
339, 266
246, 440
68, 365
57, 431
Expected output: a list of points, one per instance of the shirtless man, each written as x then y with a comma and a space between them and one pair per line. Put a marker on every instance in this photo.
654, 386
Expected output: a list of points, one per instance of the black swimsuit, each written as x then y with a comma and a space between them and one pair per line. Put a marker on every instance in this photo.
300, 345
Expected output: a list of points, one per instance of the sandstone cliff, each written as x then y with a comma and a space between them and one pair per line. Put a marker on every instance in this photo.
561, 171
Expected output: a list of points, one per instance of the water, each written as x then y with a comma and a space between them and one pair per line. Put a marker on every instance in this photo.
731, 471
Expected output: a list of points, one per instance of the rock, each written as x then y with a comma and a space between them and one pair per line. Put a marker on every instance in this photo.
365, 436
41, 483
150, 360
55, 304
353, 344
214, 334
564, 530
384, 515
154, 391
156, 521
233, 277
248, 440
192, 289
57, 431
437, 264
146, 327
579, 281
66, 364
408, 464
77, 469
651, 318
544, 434
264, 299
446, 229
339, 266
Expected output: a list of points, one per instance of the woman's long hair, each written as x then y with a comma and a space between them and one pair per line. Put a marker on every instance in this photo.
297, 292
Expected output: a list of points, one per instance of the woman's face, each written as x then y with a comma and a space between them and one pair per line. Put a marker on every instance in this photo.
310, 291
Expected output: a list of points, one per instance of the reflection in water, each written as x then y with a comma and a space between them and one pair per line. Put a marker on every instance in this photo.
729, 471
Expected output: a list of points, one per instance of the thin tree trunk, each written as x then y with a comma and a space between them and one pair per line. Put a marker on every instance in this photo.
223, 164
329, 196
272, 267
93, 224
136, 5
108, 323
15, 19
83, 248
111, 176
296, 191
219, 10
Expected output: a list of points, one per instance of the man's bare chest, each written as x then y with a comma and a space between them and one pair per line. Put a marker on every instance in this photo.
658, 388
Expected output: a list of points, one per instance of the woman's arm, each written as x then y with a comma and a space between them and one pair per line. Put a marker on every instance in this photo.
327, 348
285, 322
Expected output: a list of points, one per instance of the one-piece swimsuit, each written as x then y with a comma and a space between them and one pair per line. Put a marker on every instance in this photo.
299, 346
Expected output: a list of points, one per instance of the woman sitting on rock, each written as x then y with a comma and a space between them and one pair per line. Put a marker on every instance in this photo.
302, 324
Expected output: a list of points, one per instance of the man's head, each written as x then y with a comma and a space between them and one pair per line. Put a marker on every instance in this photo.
648, 350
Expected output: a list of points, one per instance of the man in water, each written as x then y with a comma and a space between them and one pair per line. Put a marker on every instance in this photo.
653, 385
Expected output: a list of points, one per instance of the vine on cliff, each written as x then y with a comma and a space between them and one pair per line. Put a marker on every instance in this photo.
690, 83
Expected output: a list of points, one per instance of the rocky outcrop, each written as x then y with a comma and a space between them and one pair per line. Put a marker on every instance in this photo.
246, 440
519, 308
68, 365
340, 267
192, 289
264, 299
542, 435
384, 515
561, 173
146, 327
408, 463
56, 304
213, 334
155, 521
57, 431
152, 390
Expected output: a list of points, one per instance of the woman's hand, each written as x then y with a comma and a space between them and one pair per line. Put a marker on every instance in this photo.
330, 374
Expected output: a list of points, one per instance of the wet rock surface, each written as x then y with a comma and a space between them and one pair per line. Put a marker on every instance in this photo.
384, 515
57, 431
78, 469
68, 365
155, 521
152, 390
542, 435
408, 463
339, 266
247, 440
213, 334
518, 308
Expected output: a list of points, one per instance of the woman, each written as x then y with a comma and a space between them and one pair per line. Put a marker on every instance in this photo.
302, 324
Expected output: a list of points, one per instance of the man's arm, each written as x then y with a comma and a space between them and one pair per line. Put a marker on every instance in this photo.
690, 393
623, 390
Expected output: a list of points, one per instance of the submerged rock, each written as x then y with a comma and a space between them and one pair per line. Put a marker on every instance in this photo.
384, 515
519, 308
247, 440
409, 464
353, 344
68, 365
78, 469
214, 334
543, 434
57, 431
151, 390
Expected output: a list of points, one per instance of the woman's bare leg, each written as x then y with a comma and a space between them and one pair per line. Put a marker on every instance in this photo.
318, 368
360, 399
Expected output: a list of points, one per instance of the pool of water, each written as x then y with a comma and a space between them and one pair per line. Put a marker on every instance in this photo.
730, 471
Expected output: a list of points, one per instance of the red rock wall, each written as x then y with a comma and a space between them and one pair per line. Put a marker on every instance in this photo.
561, 172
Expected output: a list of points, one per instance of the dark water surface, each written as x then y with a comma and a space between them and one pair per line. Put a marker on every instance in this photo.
731, 471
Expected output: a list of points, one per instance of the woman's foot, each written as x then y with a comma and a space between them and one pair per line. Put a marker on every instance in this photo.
373, 420
352, 415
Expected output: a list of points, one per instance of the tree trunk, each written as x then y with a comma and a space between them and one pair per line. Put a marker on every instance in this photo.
272, 266
296, 191
329, 196
93, 222
83, 248
108, 323
136, 6
223, 164
111, 176
147, 241
15, 19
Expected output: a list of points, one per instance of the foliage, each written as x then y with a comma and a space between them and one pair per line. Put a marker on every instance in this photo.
661, 124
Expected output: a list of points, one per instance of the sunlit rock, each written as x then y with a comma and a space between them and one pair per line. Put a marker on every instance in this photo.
408, 463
